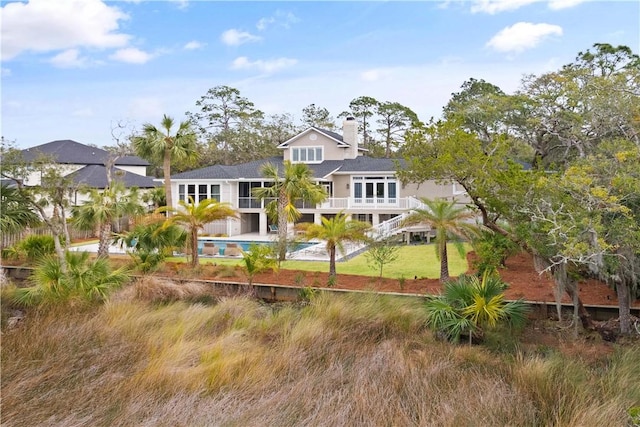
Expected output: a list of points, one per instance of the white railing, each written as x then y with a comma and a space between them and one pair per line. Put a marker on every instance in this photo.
367, 202
396, 224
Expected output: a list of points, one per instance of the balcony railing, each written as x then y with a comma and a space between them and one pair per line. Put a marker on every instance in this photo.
339, 203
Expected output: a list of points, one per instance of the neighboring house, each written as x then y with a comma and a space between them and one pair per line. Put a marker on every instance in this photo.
364, 187
86, 166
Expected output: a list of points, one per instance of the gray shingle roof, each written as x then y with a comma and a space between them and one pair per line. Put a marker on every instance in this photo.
72, 152
95, 176
252, 170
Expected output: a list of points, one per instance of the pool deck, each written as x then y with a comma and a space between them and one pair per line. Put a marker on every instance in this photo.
312, 253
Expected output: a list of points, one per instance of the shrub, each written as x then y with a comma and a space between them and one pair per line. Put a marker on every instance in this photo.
84, 280
34, 247
492, 250
470, 305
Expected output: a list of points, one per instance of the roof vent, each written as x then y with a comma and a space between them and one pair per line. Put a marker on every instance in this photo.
351, 118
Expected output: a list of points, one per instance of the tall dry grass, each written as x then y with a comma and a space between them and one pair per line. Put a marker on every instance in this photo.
357, 361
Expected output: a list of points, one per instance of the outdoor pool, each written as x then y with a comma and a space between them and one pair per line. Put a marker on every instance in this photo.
244, 244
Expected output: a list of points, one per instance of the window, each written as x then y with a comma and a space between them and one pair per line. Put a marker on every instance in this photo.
181, 189
215, 192
307, 154
202, 192
191, 193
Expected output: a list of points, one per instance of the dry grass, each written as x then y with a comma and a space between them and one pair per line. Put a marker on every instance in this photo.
356, 361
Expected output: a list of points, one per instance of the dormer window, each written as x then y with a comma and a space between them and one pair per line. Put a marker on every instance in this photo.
307, 154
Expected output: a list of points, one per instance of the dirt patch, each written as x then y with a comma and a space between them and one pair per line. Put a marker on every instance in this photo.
524, 282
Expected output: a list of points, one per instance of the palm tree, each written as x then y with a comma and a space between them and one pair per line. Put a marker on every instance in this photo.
469, 306
15, 211
295, 184
84, 279
257, 259
158, 144
450, 221
335, 232
103, 208
194, 216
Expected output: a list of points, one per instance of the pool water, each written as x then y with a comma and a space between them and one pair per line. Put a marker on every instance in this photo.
244, 244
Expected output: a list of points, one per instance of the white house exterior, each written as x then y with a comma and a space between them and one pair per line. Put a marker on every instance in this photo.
85, 166
365, 188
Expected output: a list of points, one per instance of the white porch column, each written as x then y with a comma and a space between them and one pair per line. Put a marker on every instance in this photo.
317, 218
263, 223
376, 219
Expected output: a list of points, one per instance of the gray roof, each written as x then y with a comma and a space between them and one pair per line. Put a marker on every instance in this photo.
252, 170
72, 152
95, 176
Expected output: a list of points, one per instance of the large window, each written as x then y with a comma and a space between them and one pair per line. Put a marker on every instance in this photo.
307, 154
375, 189
198, 192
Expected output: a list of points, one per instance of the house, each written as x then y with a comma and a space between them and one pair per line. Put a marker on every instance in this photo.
364, 187
86, 167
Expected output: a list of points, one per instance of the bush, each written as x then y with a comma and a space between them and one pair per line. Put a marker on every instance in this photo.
33, 247
84, 280
492, 250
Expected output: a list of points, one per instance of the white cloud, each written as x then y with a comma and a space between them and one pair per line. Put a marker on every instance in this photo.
131, 55
234, 37
374, 75
6, 72
563, 4
45, 25
280, 18
69, 59
522, 36
270, 66
194, 45
495, 6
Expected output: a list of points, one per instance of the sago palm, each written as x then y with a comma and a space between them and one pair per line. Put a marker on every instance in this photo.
293, 185
159, 144
336, 232
194, 216
451, 223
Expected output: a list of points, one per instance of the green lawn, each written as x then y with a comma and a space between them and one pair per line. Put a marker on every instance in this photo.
413, 260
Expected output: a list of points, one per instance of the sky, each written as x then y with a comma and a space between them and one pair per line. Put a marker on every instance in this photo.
76, 69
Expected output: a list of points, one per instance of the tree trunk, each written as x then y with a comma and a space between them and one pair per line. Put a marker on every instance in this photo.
332, 262
166, 170
195, 260
444, 264
585, 317
282, 226
105, 239
624, 307
65, 226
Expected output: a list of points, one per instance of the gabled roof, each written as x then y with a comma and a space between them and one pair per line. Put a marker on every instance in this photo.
95, 176
71, 152
252, 170
330, 134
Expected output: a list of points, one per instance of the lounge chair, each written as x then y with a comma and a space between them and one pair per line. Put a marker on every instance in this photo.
273, 228
232, 249
210, 249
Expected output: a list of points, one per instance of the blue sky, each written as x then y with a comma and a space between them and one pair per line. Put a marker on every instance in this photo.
72, 69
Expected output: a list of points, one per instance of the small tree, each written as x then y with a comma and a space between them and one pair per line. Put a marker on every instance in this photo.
335, 232
258, 259
194, 216
450, 222
381, 253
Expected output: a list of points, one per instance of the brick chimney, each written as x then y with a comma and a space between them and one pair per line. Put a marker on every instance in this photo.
350, 136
